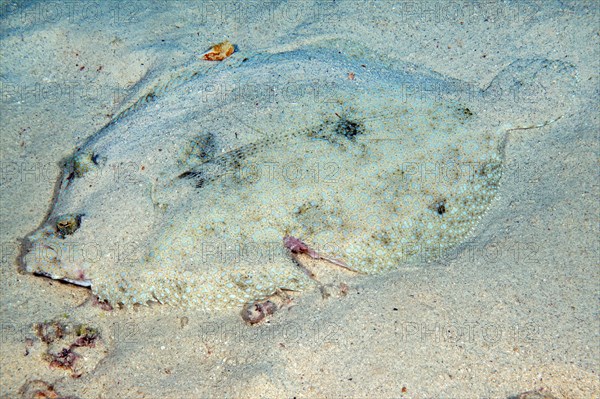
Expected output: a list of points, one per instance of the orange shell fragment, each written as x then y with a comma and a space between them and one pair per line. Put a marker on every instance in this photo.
219, 51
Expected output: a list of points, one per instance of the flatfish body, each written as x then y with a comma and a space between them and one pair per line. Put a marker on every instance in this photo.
185, 197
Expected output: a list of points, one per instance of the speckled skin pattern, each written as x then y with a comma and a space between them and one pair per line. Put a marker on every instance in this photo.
185, 197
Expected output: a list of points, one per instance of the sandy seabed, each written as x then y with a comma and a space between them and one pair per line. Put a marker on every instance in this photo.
515, 310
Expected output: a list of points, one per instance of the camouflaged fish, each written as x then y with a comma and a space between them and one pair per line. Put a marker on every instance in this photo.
185, 197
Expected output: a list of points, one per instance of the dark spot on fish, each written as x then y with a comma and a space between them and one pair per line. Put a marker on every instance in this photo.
347, 128
441, 208
465, 112
197, 176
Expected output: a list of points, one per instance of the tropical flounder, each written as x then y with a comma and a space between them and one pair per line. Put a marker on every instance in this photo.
185, 197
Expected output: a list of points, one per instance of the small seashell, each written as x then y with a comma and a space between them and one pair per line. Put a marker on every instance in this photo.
219, 52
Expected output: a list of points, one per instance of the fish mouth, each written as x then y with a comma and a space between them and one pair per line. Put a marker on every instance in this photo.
81, 283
